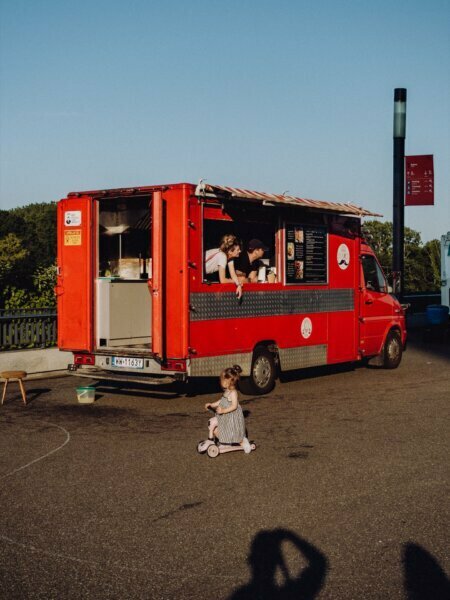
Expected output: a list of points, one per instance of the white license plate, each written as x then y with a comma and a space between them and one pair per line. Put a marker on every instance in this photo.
130, 363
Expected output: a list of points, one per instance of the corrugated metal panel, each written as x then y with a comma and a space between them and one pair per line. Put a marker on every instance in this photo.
207, 306
302, 357
209, 366
206, 190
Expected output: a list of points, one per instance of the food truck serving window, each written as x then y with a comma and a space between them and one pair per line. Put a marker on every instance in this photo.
306, 253
243, 231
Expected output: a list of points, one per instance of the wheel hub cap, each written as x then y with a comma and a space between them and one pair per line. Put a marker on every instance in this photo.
261, 371
393, 350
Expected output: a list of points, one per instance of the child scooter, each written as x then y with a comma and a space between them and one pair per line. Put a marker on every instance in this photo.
213, 447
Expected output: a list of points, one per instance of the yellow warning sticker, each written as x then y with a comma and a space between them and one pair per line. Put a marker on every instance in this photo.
72, 237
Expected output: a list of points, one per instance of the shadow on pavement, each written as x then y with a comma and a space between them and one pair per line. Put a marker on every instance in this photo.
137, 390
197, 387
420, 340
274, 576
34, 393
71, 413
424, 577
313, 372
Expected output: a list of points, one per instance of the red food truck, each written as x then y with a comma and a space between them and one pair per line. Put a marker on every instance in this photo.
135, 302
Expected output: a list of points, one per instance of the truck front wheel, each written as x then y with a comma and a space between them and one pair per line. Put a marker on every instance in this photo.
392, 350
262, 374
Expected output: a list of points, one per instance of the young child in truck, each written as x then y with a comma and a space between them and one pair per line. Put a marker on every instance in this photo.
228, 425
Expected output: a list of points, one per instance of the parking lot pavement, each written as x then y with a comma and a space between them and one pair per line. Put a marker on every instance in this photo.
345, 497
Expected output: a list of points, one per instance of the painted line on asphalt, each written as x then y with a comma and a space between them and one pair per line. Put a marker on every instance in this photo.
41, 551
66, 441
92, 563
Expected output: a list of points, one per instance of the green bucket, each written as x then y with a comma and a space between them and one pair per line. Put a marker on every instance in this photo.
86, 395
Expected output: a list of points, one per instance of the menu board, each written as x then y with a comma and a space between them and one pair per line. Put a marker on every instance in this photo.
306, 254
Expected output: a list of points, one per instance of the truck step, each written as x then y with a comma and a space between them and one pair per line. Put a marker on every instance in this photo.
124, 377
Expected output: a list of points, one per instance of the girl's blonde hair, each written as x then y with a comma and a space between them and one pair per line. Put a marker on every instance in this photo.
228, 242
232, 373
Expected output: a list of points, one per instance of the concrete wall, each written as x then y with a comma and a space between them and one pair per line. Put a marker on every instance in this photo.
49, 361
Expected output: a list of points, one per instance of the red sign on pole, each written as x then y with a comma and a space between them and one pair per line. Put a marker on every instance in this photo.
419, 180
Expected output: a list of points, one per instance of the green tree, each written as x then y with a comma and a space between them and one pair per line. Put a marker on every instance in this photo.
12, 223
12, 253
15, 298
41, 296
421, 262
432, 250
379, 238
44, 284
39, 222
35, 226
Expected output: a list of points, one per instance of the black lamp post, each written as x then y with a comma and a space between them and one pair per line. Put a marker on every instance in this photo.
399, 190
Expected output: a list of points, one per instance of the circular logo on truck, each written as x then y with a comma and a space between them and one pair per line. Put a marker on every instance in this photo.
343, 256
306, 327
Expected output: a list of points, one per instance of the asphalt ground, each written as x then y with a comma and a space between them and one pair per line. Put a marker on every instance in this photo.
345, 497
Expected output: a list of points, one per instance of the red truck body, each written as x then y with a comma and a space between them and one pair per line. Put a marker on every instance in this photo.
134, 301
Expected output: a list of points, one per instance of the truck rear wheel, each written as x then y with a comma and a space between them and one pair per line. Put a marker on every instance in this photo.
262, 374
392, 350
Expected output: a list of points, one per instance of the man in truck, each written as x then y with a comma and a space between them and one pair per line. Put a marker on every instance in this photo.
248, 263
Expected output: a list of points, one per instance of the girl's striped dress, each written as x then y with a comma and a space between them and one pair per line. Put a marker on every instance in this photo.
231, 425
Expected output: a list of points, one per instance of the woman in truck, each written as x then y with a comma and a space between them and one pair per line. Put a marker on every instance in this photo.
217, 260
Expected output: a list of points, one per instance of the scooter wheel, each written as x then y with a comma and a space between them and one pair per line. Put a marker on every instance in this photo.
202, 446
212, 451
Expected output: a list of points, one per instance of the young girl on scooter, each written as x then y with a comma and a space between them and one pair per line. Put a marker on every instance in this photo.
228, 425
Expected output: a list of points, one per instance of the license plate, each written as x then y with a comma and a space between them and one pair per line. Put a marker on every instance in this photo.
130, 363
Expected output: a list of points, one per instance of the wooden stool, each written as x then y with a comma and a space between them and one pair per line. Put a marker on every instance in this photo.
15, 376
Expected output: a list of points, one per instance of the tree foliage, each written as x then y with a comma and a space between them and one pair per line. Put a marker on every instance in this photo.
421, 261
12, 254
27, 255
41, 296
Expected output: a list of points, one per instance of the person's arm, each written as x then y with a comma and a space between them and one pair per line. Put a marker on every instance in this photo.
233, 404
222, 267
223, 275
253, 276
212, 404
234, 279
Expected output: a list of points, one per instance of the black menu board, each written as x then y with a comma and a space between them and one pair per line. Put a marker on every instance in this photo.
306, 254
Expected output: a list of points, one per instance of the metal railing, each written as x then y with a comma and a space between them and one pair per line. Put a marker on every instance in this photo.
420, 300
27, 328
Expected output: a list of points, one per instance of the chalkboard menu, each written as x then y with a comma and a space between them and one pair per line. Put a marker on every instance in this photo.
306, 254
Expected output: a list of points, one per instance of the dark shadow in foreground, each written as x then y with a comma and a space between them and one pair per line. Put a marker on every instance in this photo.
424, 577
34, 393
418, 339
272, 576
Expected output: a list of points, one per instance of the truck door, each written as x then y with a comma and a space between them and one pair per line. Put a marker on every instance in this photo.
74, 287
169, 283
157, 278
376, 307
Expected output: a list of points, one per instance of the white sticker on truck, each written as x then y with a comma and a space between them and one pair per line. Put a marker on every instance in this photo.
306, 327
72, 218
343, 256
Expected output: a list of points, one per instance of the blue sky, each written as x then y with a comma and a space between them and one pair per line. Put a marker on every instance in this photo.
269, 95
